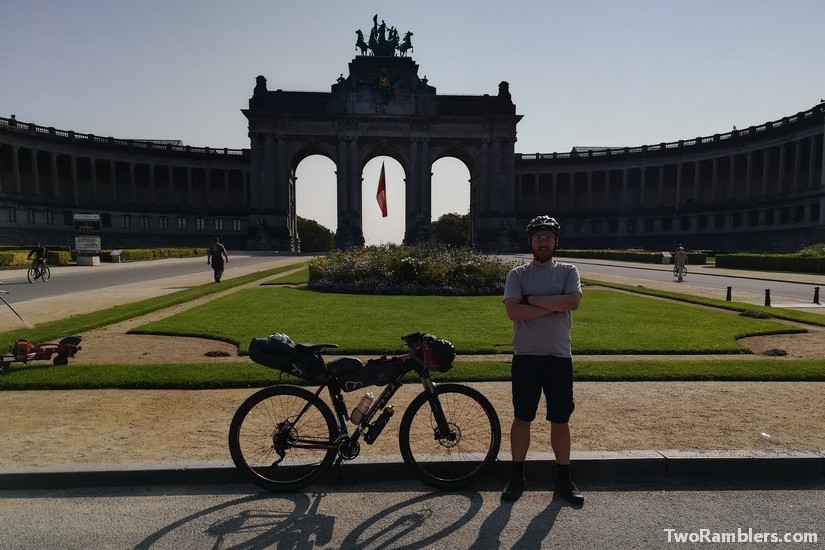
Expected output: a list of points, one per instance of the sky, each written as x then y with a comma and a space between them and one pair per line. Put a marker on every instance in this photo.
582, 73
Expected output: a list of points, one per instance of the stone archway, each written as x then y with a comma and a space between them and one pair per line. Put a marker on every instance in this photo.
382, 108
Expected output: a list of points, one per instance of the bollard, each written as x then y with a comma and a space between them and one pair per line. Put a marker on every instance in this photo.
768, 297
727, 296
816, 294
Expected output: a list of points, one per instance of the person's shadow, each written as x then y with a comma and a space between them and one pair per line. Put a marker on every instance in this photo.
536, 532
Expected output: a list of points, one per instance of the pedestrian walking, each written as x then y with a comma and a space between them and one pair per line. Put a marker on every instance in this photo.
216, 257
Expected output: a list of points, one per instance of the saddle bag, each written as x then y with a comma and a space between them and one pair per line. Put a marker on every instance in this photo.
278, 352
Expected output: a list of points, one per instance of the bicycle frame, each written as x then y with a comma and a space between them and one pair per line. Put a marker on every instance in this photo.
345, 440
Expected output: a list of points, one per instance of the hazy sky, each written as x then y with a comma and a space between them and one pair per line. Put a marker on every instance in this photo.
584, 72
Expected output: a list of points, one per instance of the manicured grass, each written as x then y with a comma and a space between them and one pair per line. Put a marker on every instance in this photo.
300, 277
607, 322
44, 376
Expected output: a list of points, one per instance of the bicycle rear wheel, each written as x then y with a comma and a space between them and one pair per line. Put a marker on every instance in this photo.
276, 445
45, 273
460, 457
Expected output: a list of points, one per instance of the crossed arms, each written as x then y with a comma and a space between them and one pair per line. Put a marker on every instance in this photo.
537, 306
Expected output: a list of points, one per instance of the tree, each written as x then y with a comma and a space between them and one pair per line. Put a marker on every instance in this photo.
314, 236
452, 229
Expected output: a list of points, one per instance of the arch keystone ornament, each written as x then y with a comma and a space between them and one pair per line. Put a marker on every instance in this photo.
381, 108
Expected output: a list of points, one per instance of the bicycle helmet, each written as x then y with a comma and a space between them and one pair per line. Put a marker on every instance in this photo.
543, 223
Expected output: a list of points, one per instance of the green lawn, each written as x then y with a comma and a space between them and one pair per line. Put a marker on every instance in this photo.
607, 322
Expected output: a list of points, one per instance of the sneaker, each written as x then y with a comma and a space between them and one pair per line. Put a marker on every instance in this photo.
515, 487
568, 490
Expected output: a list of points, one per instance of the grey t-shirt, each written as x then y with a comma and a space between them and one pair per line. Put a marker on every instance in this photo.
548, 334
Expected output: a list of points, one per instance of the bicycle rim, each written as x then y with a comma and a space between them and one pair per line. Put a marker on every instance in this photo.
31, 274
266, 430
457, 459
45, 274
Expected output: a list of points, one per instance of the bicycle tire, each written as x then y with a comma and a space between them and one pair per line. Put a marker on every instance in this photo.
45, 273
256, 430
442, 463
31, 274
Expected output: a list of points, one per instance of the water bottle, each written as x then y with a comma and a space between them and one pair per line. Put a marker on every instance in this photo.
361, 408
375, 430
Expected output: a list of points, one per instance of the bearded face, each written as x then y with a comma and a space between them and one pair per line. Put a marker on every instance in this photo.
543, 245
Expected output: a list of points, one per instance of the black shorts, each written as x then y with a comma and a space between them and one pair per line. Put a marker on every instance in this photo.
532, 374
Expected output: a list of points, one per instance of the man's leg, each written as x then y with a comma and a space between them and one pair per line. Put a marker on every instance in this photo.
560, 440
519, 444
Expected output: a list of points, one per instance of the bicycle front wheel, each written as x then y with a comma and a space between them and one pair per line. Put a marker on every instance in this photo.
32, 274
282, 438
460, 457
45, 273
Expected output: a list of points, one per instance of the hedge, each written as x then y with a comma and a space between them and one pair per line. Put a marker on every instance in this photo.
796, 263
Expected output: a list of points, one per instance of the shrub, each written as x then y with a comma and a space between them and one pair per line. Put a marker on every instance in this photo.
427, 268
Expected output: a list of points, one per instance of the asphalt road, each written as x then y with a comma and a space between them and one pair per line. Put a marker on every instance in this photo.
361, 514
73, 278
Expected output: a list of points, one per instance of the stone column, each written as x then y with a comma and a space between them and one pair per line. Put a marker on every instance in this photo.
536, 191
589, 189
572, 192
35, 173
766, 171
748, 175
226, 194
152, 197
607, 189
113, 179
678, 184
54, 178
73, 170
697, 181
797, 166
811, 184
207, 183
189, 185
660, 200
642, 186
133, 183
623, 198
93, 177
780, 184
731, 177
555, 191
15, 166
170, 175
714, 179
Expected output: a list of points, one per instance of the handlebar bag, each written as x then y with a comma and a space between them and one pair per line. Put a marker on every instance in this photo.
278, 352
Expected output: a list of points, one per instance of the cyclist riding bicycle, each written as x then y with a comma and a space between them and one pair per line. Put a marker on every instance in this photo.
680, 260
39, 253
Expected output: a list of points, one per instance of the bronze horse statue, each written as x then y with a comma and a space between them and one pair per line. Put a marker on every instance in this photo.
360, 44
406, 44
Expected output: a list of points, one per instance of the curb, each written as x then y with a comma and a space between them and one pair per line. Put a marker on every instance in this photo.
590, 467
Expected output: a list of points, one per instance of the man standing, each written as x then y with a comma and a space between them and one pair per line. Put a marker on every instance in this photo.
539, 298
215, 257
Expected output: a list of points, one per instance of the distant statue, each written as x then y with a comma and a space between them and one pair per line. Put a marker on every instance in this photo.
383, 41
406, 45
360, 44
260, 85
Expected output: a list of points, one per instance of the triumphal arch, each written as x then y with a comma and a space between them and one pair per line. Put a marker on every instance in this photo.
382, 107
